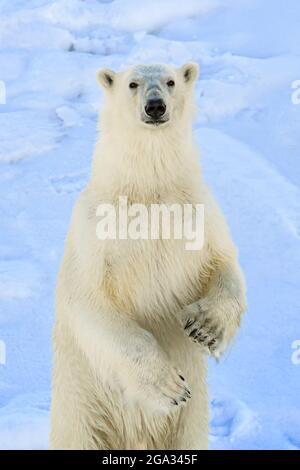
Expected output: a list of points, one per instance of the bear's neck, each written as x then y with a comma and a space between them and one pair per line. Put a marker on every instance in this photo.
147, 165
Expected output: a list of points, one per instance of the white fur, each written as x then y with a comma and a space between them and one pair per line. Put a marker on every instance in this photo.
122, 305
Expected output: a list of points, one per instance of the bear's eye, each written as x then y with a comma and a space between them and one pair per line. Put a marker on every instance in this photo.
171, 83
133, 85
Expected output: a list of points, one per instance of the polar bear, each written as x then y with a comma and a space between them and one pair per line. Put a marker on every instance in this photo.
137, 318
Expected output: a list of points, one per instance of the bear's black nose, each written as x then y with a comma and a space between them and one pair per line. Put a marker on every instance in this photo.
155, 108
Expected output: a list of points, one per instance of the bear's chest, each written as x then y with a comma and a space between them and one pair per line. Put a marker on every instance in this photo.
148, 276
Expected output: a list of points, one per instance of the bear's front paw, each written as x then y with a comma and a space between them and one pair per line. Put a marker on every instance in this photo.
162, 387
171, 388
211, 325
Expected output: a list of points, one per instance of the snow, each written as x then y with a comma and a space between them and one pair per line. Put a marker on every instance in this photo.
248, 132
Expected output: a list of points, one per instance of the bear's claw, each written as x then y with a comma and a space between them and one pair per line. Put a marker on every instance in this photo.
201, 329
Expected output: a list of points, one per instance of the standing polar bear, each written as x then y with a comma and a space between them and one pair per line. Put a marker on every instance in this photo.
137, 318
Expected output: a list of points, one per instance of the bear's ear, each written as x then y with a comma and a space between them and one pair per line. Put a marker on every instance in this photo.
106, 77
190, 72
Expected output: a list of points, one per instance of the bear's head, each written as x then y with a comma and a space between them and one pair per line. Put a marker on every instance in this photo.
152, 96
